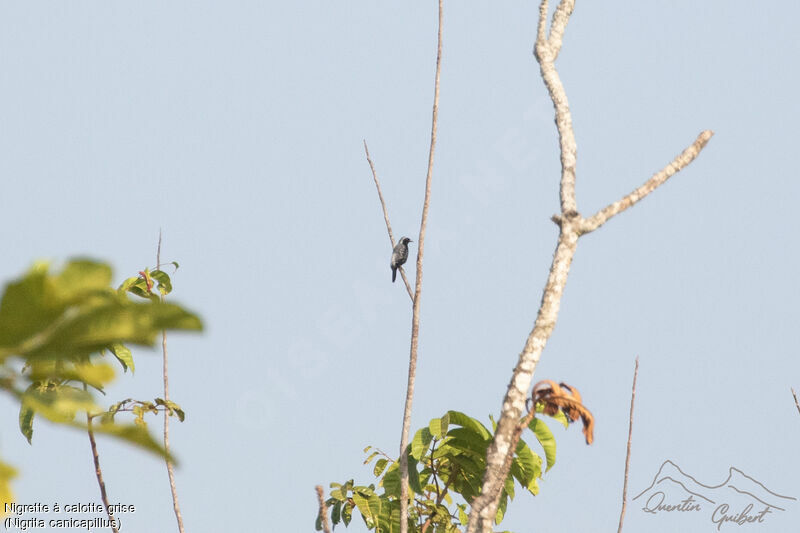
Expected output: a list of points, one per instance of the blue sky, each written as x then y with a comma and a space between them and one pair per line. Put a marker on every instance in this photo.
237, 129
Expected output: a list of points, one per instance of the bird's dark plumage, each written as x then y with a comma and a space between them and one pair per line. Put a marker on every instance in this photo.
399, 256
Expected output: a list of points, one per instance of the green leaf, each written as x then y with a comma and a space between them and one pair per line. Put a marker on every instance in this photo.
413, 475
391, 481
559, 415
438, 426
80, 276
27, 306
363, 506
123, 355
467, 440
462, 515
347, 513
164, 283
420, 443
546, 439
171, 407
56, 403
26, 422
460, 419
370, 457
112, 321
380, 465
527, 467
94, 375
501, 509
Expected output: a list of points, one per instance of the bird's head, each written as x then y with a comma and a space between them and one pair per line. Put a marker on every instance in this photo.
406, 240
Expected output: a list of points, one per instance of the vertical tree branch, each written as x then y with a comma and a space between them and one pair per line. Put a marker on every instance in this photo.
795, 401
628, 453
546, 51
412, 364
572, 225
386, 217
98, 472
323, 510
170, 472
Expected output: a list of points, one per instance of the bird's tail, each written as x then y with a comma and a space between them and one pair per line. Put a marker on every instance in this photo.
394, 274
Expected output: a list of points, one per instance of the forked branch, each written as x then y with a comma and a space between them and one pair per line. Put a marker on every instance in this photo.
571, 226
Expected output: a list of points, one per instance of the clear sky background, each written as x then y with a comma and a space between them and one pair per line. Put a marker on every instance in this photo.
237, 128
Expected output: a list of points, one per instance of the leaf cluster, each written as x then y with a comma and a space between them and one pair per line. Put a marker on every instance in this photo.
56, 327
446, 462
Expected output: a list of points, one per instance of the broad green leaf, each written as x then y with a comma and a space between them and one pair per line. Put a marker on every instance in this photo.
57, 403
363, 506
546, 439
460, 419
526, 460
123, 355
420, 443
111, 322
94, 375
391, 481
27, 307
164, 283
438, 426
501, 509
380, 465
171, 407
468, 440
26, 422
508, 486
462, 515
80, 276
560, 416
347, 513
413, 475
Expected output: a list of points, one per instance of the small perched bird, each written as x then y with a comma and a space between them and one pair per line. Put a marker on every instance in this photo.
399, 255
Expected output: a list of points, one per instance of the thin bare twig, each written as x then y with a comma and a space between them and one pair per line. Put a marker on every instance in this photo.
628, 453
412, 364
386, 217
795, 401
323, 509
170, 472
572, 225
97, 471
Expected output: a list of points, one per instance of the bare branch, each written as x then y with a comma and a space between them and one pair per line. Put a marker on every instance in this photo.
795, 401
559, 24
412, 364
546, 51
323, 509
572, 226
97, 471
628, 453
675, 166
170, 471
386, 216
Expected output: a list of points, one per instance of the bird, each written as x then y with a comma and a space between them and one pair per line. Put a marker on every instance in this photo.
399, 256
